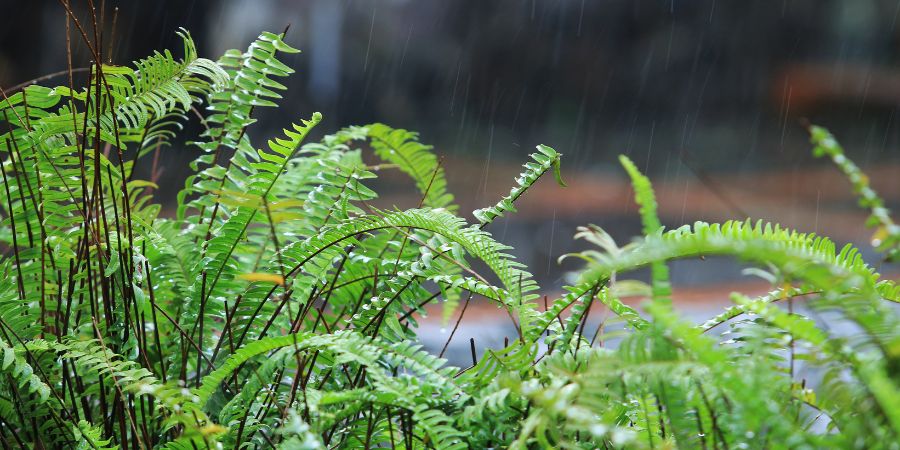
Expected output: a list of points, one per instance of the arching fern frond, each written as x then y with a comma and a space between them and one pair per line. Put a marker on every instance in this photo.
403, 149
160, 84
850, 284
545, 159
887, 233
743, 239
350, 347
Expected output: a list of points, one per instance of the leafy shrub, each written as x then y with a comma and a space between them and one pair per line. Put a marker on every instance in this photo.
278, 307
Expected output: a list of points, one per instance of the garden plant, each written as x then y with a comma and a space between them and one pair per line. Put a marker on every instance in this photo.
276, 307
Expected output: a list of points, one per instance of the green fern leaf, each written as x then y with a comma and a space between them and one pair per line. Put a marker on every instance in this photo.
545, 159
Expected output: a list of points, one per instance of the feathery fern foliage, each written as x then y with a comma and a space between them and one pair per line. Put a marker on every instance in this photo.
278, 308
887, 233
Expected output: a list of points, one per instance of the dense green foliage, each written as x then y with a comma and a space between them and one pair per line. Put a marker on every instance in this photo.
277, 307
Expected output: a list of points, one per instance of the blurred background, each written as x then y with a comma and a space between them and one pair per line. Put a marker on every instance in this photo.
708, 97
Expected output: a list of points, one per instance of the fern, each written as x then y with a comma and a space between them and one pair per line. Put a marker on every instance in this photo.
22, 374
887, 233
643, 193
545, 159
279, 308
91, 437
401, 148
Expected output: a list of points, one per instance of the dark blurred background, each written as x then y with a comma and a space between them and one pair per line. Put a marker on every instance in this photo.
707, 96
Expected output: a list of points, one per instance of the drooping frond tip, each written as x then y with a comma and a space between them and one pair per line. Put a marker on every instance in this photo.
887, 233
403, 149
545, 159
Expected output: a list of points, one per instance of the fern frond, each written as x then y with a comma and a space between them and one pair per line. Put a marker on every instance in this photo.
871, 371
646, 199
850, 283
90, 437
737, 238
352, 347
16, 367
887, 233
474, 241
401, 147
545, 159
249, 85
160, 85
